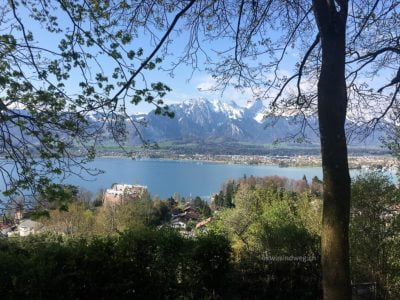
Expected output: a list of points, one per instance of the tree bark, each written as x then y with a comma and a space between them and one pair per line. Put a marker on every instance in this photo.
332, 105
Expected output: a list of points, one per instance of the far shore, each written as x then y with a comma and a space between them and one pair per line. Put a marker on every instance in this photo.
372, 162
376, 162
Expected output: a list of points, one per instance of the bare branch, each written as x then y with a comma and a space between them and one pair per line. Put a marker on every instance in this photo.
301, 67
156, 49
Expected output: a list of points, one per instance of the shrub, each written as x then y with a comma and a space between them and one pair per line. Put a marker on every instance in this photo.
139, 263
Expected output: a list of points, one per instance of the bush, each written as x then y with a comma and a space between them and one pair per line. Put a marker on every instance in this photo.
140, 263
375, 233
256, 277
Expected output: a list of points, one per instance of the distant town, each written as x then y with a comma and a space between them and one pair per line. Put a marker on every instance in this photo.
288, 155
372, 162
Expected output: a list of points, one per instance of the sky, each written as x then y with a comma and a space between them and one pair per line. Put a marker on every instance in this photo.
185, 84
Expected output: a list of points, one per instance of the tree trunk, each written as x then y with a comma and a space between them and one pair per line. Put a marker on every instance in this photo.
332, 105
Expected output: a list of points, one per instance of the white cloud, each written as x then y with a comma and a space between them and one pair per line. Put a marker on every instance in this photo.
207, 87
206, 83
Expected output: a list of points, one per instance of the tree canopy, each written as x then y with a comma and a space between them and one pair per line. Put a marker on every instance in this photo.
334, 58
62, 62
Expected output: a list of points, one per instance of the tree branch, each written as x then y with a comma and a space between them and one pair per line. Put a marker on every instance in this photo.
302, 64
366, 20
150, 57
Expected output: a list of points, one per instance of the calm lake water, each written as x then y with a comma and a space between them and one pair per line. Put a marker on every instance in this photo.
164, 177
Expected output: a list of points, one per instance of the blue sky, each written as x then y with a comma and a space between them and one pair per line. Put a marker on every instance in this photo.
185, 84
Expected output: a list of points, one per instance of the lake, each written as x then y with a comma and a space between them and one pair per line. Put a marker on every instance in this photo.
188, 178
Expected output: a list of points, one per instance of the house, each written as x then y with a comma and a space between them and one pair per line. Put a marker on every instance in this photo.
181, 217
185, 217
120, 193
178, 225
191, 213
13, 232
27, 227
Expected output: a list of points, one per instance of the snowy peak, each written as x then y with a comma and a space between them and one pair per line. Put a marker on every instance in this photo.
209, 109
201, 118
204, 120
232, 110
256, 110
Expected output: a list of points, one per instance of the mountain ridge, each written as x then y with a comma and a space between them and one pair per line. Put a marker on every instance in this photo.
202, 119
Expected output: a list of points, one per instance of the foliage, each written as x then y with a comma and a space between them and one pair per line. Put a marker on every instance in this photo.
258, 278
375, 233
117, 218
225, 197
266, 246
268, 219
76, 220
392, 140
58, 196
281, 231
140, 263
316, 186
267, 223
202, 206
162, 211
271, 220
50, 89
342, 48
40, 215
73, 212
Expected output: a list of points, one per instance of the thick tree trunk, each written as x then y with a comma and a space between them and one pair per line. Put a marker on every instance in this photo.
332, 104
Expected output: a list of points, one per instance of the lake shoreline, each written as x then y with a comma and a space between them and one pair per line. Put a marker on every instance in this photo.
381, 162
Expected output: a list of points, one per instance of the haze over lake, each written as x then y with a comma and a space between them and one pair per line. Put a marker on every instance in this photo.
166, 177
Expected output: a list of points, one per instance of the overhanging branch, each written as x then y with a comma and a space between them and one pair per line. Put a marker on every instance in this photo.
156, 49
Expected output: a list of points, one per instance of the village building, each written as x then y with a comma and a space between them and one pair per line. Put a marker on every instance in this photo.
27, 227
120, 193
19, 223
178, 224
181, 217
188, 213
24, 228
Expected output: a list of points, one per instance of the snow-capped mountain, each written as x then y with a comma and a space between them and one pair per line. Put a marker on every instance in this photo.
202, 119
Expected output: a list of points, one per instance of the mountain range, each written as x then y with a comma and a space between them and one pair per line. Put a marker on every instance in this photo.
204, 120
